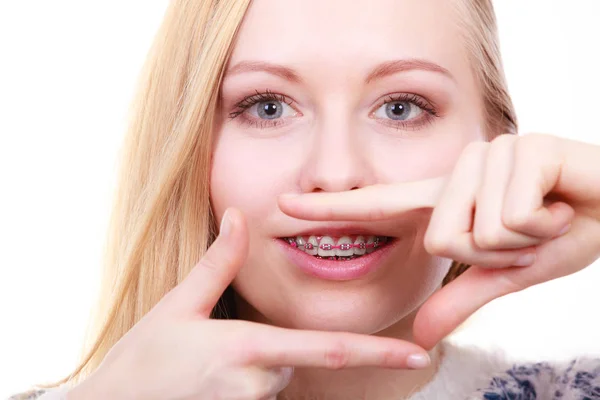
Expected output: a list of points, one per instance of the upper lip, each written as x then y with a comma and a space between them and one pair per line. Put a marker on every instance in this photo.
341, 230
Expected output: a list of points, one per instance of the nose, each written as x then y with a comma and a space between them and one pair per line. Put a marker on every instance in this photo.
337, 159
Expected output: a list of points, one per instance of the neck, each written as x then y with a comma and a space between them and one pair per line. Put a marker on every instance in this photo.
356, 383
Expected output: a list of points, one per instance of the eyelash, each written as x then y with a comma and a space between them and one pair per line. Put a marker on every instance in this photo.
429, 111
259, 97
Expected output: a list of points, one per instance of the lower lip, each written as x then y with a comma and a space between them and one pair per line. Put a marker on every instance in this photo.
338, 270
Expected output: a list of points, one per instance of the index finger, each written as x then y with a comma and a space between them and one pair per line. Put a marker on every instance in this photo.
377, 202
282, 347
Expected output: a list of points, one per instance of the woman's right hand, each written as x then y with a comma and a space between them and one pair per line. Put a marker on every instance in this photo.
176, 352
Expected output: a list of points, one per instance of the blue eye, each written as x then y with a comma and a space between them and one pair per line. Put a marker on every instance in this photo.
269, 109
399, 111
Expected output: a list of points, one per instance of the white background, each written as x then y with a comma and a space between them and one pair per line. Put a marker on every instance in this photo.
67, 72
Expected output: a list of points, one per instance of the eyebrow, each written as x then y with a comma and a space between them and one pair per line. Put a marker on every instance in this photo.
260, 66
381, 71
393, 67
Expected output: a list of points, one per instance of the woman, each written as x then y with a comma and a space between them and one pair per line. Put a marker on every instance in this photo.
358, 159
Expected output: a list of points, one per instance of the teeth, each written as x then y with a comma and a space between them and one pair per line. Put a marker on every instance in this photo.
344, 251
326, 247
357, 250
312, 247
370, 241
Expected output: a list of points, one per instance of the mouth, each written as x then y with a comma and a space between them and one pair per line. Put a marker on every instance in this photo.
338, 258
336, 248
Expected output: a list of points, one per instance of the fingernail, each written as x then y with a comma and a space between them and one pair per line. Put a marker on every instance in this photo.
526, 260
225, 228
565, 230
418, 361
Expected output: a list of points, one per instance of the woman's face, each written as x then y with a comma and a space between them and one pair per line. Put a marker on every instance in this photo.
327, 96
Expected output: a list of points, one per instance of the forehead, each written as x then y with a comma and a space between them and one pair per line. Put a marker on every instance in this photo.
350, 35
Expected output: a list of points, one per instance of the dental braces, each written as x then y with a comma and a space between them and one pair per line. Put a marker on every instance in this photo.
343, 246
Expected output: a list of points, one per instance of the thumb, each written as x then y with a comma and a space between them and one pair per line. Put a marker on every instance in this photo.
201, 289
445, 310
449, 307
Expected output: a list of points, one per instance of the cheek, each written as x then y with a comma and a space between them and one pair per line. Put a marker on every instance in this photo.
234, 175
246, 174
401, 160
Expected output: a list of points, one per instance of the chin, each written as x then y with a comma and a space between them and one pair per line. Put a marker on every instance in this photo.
327, 310
385, 299
354, 319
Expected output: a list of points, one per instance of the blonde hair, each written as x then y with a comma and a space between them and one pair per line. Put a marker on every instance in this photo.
481, 37
161, 222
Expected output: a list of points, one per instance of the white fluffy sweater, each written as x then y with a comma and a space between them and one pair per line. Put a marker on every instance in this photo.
471, 374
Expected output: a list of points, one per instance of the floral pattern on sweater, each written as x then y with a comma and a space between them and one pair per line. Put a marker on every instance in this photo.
578, 380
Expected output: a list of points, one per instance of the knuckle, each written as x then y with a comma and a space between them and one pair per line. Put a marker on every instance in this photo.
528, 146
245, 352
376, 213
534, 144
257, 388
535, 138
516, 219
389, 358
488, 238
337, 357
471, 156
474, 148
329, 212
437, 244
506, 138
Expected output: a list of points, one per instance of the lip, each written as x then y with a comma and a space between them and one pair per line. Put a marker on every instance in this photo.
339, 230
338, 270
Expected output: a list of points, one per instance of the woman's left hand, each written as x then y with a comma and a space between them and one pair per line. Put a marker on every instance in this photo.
521, 210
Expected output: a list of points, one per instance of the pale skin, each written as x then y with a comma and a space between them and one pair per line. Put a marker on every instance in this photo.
492, 212
434, 183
